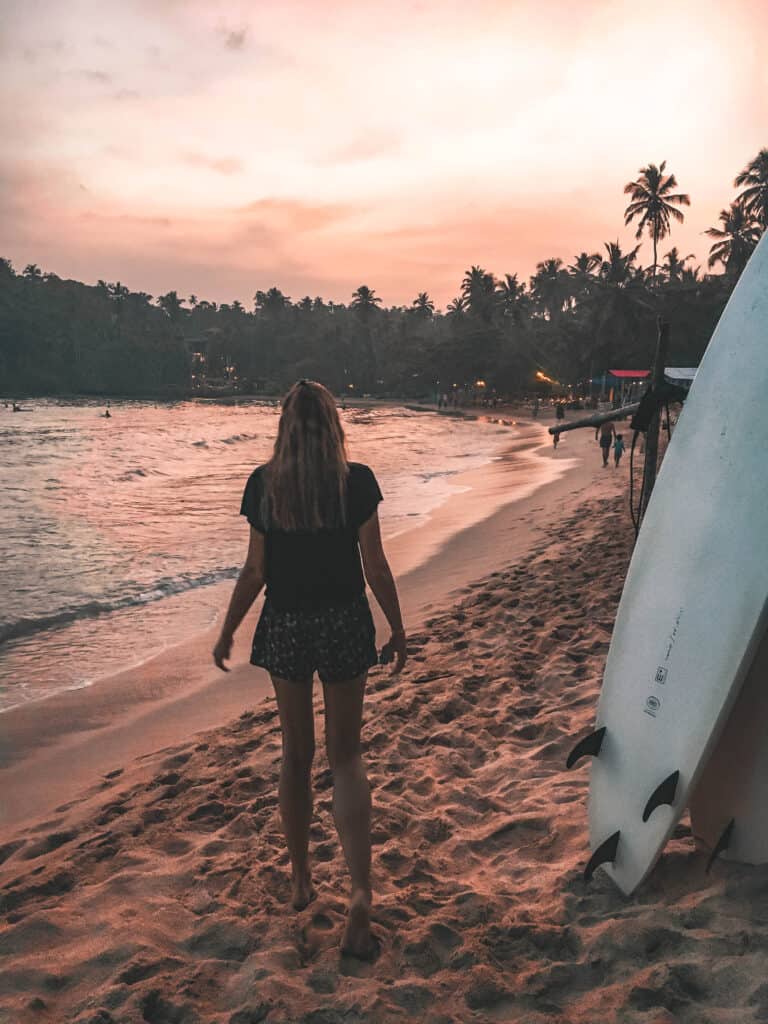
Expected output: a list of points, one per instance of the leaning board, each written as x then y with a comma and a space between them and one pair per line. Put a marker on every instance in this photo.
733, 785
694, 601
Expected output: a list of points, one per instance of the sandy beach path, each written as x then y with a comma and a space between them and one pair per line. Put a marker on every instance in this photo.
162, 895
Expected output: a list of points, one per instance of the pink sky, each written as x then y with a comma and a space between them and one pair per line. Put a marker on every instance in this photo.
218, 148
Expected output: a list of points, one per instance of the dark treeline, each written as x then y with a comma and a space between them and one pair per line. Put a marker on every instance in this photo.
570, 322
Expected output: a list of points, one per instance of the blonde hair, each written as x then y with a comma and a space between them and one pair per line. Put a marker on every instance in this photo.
307, 475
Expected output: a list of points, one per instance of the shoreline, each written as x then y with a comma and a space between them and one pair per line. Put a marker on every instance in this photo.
162, 891
522, 446
51, 748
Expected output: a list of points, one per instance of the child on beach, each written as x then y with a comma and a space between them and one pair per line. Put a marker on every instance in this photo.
313, 514
618, 449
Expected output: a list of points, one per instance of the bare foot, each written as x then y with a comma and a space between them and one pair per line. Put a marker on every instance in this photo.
303, 892
358, 941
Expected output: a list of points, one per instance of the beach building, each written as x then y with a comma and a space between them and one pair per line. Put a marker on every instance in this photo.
622, 387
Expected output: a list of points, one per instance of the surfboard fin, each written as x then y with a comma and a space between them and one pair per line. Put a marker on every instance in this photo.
663, 794
604, 854
589, 746
721, 844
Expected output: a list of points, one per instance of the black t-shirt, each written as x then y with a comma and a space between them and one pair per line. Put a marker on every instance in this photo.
304, 569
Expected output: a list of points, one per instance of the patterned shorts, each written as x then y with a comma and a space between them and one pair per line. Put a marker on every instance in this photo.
338, 642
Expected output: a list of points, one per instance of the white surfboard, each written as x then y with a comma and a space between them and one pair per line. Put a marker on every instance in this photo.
733, 785
694, 601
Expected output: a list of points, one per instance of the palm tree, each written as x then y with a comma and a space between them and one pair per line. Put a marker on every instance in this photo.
618, 268
514, 300
479, 291
192, 300
364, 301
653, 202
690, 276
736, 239
585, 263
119, 291
271, 301
171, 304
582, 272
551, 287
674, 266
456, 307
423, 306
32, 271
754, 198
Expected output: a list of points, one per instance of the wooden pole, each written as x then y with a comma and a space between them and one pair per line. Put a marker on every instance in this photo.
652, 438
597, 419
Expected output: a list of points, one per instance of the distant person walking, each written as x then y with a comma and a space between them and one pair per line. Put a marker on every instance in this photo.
618, 449
606, 432
560, 411
313, 514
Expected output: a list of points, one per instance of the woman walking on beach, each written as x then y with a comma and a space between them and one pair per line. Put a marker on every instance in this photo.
312, 515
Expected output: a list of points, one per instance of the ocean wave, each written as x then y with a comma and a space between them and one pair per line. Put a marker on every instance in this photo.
232, 439
132, 474
167, 586
426, 477
235, 438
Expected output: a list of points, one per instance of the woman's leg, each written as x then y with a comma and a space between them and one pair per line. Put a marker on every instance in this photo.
297, 722
351, 803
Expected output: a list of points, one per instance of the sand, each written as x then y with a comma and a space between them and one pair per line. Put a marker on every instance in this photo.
158, 892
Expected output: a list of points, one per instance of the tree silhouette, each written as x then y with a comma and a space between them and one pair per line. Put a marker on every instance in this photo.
674, 265
272, 302
171, 304
514, 299
551, 287
456, 307
423, 306
754, 198
479, 292
735, 240
364, 302
654, 202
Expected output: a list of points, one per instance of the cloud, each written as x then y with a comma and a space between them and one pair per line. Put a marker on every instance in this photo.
127, 218
102, 77
296, 215
222, 165
364, 147
235, 40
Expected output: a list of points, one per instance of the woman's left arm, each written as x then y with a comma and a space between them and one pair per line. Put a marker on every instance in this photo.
247, 589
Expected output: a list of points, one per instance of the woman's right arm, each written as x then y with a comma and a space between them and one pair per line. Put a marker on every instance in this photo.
380, 580
247, 589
